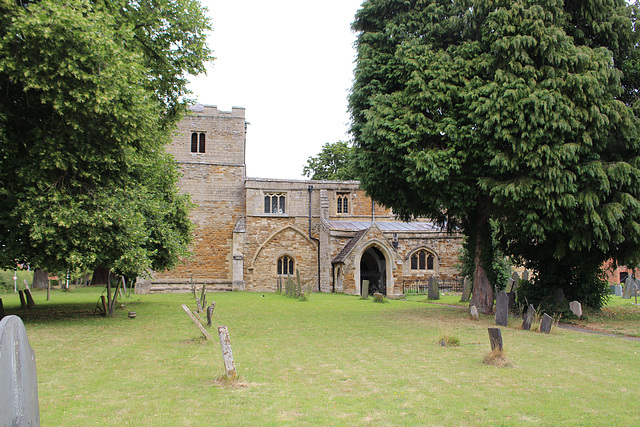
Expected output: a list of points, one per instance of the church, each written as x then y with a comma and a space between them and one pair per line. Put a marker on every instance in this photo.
252, 232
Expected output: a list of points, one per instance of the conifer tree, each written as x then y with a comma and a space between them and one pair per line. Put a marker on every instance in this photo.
469, 110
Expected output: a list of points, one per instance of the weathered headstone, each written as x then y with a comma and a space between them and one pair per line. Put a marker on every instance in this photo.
509, 287
546, 323
433, 291
30, 302
227, 354
628, 287
474, 312
529, 318
466, 291
525, 275
23, 302
196, 322
502, 309
19, 390
210, 313
495, 338
618, 290
576, 308
365, 289
515, 277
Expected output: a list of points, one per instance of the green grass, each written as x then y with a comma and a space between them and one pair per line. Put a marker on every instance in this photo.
333, 360
6, 280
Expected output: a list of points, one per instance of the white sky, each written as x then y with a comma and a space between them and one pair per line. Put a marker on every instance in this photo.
290, 64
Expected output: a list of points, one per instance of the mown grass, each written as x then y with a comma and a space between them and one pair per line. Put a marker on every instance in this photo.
333, 360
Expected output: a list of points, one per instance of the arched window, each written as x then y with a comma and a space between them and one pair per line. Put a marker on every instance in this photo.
198, 140
422, 260
285, 265
343, 203
274, 203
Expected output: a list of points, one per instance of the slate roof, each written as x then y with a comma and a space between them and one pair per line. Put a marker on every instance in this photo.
342, 255
384, 226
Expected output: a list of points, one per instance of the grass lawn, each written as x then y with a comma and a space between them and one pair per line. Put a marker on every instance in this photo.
334, 360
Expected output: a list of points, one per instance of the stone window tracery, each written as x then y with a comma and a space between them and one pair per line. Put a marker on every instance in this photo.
285, 265
198, 142
422, 260
274, 203
343, 203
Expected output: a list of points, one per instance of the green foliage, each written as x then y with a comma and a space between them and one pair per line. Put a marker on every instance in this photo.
335, 162
89, 94
515, 111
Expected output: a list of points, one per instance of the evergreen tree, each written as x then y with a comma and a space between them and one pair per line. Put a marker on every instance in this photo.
471, 110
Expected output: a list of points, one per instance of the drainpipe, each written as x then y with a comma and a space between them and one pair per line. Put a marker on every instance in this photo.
310, 188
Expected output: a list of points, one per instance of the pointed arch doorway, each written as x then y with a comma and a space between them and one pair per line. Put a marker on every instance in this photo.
373, 267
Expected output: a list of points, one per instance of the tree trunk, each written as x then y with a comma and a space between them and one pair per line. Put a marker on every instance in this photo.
482, 296
40, 279
100, 276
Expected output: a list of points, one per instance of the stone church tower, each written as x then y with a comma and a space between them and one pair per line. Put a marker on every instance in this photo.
252, 233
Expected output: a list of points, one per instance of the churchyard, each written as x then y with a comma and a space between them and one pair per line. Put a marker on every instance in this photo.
332, 360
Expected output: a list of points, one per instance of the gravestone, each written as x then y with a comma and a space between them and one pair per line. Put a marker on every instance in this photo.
515, 277
525, 275
502, 309
509, 287
546, 323
433, 292
23, 303
495, 338
529, 318
466, 292
365, 289
474, 312
612, 289
30, 302
618, 290
19, 390
628, 287
227, 354
576, 308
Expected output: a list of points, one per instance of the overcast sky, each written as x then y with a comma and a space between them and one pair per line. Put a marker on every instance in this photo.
290, 64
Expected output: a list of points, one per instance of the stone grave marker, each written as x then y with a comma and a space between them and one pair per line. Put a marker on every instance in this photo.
576, 308
433, 291
509, 287
19, 390
515, 277
30, 302
628, 287
474, 312
546, 323
529, 318
525, 275
618, 290
23, 302
502, 309
466, 292
495, 338
227, 354
612, 289
365, 289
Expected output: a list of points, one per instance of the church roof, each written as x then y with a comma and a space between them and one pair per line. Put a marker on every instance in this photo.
384, 226
348, 247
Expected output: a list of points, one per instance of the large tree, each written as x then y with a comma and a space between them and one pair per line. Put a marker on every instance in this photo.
469, 110
89, 95
335, 162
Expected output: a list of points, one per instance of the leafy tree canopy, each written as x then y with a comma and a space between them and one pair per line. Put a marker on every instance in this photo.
89, 94
517, 110
334, 163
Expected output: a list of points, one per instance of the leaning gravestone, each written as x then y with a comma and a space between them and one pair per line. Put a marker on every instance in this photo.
502, 309
19, 390
628, 287
466, 292
546, 323
474, 312
509, 287
30, 302
433, 291
495, 338
529, 318
576, 308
